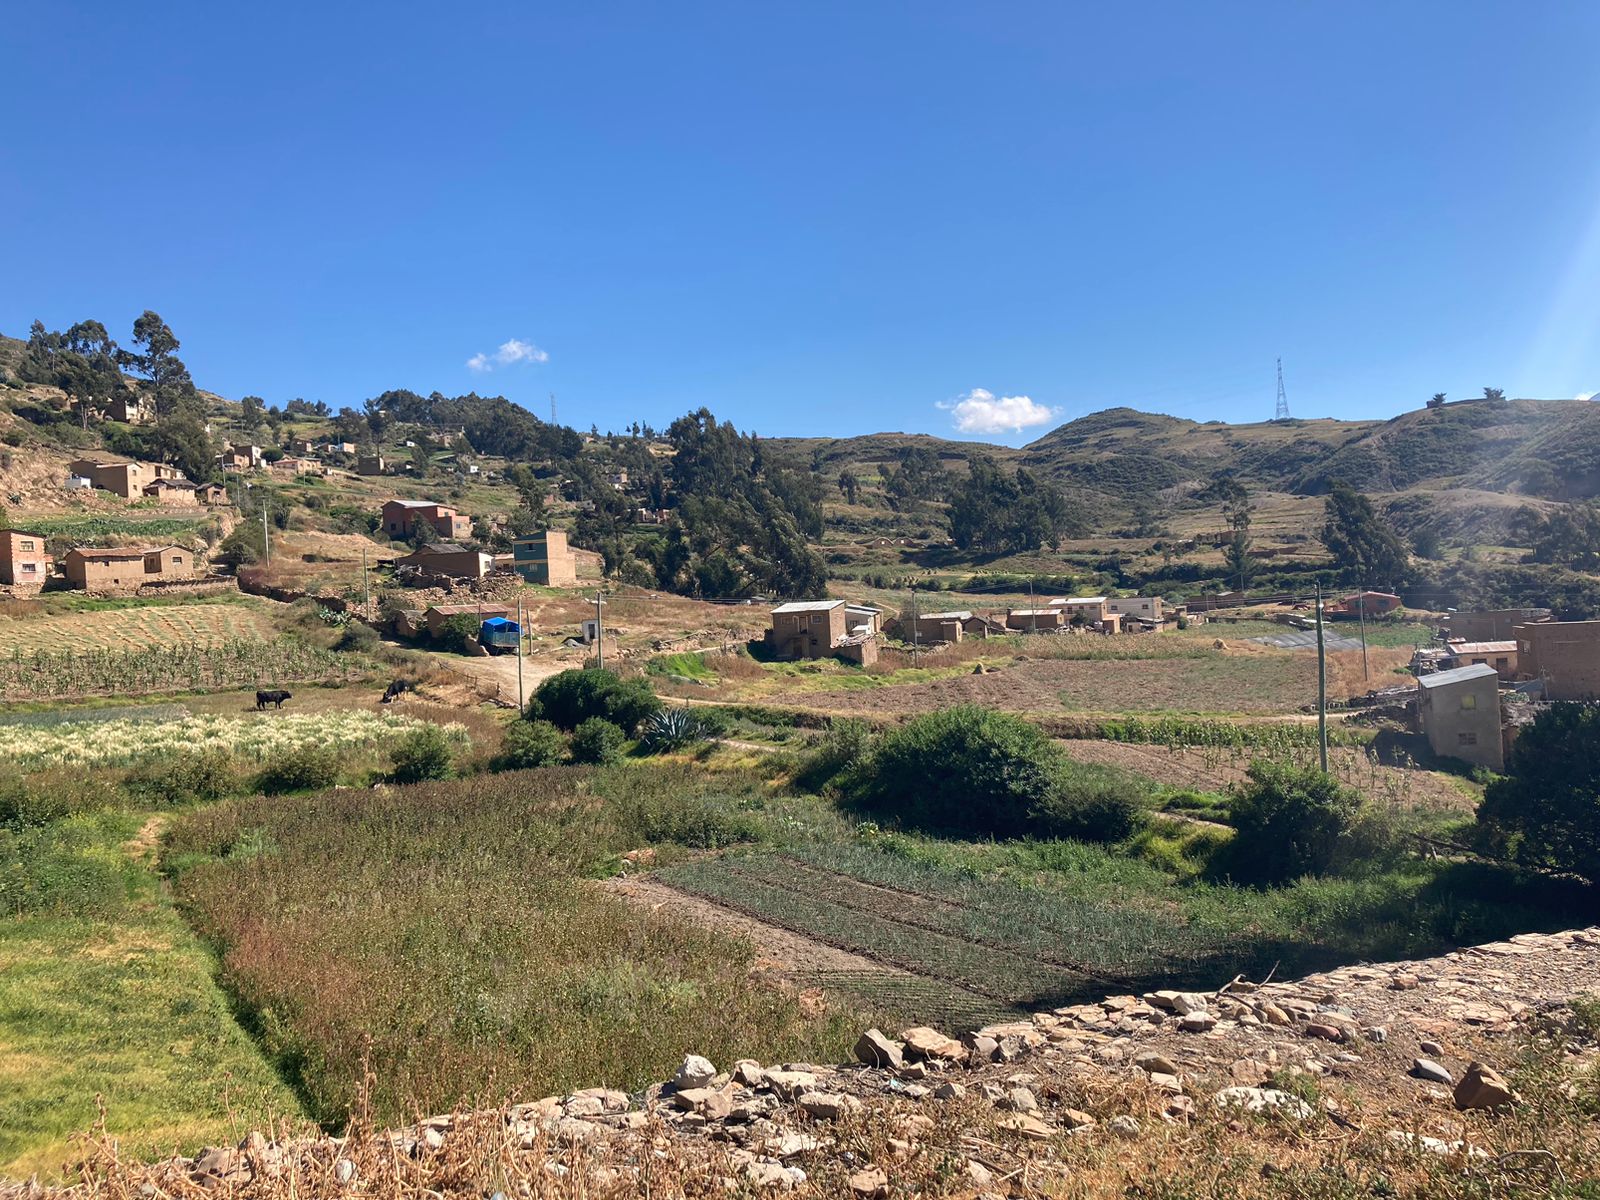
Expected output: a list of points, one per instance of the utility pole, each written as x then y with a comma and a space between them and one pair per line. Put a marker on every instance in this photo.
913, 622
599, 632
266, 537
1361, 610
366, 591
522, 703
1322, 689
1033, 613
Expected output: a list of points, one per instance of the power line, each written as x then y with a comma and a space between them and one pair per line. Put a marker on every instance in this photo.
1282, 413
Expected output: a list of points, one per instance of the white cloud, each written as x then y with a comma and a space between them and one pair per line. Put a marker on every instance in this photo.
509, 354
981, 411
1586, 395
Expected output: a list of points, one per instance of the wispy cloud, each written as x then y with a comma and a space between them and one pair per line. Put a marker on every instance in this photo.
1586, 395
509, 354
981, 411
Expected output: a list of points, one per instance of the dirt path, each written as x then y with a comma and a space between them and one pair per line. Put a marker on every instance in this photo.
496, 674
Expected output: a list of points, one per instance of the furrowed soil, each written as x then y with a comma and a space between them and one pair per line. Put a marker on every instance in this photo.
137, 628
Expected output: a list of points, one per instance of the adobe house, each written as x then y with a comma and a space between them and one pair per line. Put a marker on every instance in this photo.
437, 614
862, 618
235, 460
940, 626
1459, 711
983, 625
130, 409
807, 628
290, 464
302, 446
170, 491
447, 558
398, 519
1029, 620
369, 464
125, 569
1565, 654
1490, 624
1502, 656
24, 565
211, 493
1092, 609
1146, 608
1369, 604
545, 559
125, 479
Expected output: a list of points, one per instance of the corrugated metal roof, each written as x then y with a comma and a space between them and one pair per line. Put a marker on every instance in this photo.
798, 606
963, 615
1459, 675
1504, 647
1080, 600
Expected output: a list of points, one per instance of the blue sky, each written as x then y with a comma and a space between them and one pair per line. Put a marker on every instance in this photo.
823, 218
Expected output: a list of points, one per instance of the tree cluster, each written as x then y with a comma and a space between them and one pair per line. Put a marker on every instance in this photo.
1364, 546
1566, 537
1000, 514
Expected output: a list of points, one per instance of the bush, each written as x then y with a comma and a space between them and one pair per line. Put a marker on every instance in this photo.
845, 746
306, 769
423, 754
529, 744
1545, 812
966, 770
572, 697
42, 797
671, 729
1288, 822
459, 634
197, 777
358, 639
597, 741
1093, 804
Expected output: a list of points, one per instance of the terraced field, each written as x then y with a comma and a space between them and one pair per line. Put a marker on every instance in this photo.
137, 628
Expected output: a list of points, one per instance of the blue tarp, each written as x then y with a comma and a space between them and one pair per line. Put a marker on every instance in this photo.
501, 625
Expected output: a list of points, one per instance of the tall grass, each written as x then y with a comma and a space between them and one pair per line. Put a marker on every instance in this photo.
445, 929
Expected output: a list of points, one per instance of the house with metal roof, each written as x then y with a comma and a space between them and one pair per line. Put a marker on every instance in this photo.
1459, 713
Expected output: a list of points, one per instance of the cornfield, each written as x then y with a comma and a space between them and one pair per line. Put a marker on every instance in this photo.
235, 662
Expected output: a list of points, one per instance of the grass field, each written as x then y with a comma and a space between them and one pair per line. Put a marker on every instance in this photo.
138, 626
117, 1002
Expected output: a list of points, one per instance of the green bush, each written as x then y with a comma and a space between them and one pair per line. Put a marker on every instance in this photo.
1092, 804
1545, 812
965, 770
572, 697
598, 742
529, 744
844, 747
459, 634
45, 796
423, 754
197, 777
1288, 822
358, 639
307, 769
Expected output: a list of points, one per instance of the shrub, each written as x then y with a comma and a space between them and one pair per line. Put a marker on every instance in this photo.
597, 741
40, 798
671, 729
845, 747
1545, 812
966, 769
358, 638
459, 634
572, 697
1288, 822
195, 777
423, 754
1092, 804
529, 744
304, 769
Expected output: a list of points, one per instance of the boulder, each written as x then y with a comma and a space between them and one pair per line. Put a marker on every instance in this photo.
1153, 1063
876, 1049
1319, 1029
949, 1090
869, 1183
1483, 1087
828, 1106
789, 1084
1124, 1126
923, 1043
714, 1104
696, 1072
1022, 1100
1197, 1022
1076, 1118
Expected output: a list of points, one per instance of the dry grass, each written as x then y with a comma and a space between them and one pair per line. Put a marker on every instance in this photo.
138, 628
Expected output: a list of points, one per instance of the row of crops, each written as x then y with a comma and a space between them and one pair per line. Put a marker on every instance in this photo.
992, 938
234, 662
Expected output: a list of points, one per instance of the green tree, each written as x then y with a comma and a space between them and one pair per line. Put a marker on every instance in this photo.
572, 697
1545, 812
849, 485
1364, 546
1288, 822
155, 358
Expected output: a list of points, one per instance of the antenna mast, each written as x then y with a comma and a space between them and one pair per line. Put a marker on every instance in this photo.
1283, 398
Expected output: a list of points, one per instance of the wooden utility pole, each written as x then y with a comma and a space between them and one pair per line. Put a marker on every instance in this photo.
366, 590
522, 703
1361, 610
1322, 689
913, 622
266, 537
599, 632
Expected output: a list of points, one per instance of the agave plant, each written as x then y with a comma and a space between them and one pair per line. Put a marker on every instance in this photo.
671, 729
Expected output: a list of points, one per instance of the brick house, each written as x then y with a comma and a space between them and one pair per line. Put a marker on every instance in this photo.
399, 518
235, 460
24, 565
446, 558
545, 559
170, 491
940, 626
211, 493
1092, 609
807, 628
1565, 654
1369, 604
126, 569
1490, 624
1459, 711
125, 479
1030, 619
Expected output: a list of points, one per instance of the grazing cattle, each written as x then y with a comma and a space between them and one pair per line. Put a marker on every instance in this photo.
396, 689
275, 699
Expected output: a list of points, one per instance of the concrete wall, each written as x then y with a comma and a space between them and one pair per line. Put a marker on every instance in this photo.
1462, 720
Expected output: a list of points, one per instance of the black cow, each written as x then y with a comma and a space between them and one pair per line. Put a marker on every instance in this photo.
396, 689
276, 699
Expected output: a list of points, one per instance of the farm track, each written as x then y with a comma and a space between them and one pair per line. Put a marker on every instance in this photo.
840, 879
946, 948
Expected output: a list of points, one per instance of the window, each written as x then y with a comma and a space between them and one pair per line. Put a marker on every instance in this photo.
1467, 739
29, 568
28, 544
1501, 664
177, 560
1468, 703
